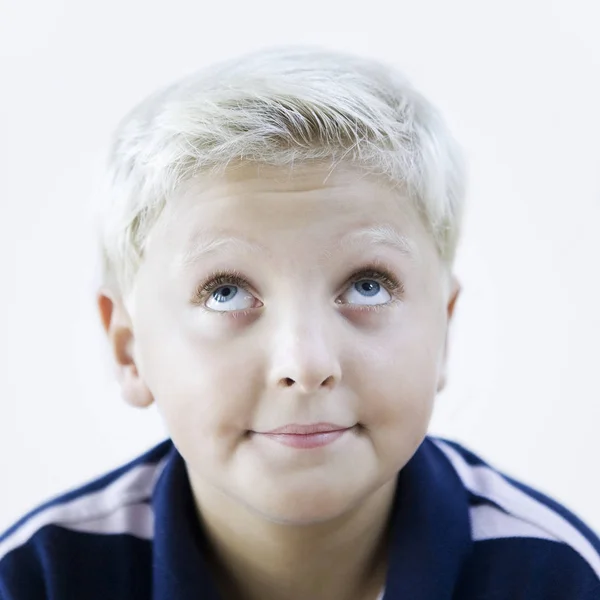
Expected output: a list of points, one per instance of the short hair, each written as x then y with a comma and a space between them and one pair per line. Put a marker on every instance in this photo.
278, 107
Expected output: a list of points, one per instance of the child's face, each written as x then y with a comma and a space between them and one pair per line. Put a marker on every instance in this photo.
301, 326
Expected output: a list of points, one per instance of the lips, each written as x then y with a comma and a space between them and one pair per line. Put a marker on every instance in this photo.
306, 436
313, 428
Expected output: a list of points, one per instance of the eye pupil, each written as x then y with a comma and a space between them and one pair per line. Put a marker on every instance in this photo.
367, 287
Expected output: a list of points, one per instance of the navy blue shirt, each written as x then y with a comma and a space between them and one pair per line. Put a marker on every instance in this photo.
459, 530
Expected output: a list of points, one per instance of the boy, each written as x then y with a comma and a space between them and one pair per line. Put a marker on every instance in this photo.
278, 235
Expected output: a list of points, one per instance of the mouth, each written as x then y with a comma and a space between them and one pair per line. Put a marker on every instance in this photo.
306, 436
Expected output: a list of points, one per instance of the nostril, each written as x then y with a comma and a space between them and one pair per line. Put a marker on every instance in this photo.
288, 382
328, 382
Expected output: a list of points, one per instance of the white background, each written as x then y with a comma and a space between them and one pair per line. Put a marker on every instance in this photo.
519, 82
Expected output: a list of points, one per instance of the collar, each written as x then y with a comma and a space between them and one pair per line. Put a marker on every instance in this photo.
431, 530
430, 533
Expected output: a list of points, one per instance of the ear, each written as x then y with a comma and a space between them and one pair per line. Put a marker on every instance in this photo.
117, 325
455, 290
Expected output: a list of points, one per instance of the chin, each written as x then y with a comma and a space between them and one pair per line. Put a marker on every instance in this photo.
311, 505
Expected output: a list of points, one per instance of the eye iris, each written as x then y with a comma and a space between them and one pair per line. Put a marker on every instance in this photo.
227, 292
367, 287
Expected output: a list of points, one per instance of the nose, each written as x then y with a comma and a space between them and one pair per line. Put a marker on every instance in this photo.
304, 359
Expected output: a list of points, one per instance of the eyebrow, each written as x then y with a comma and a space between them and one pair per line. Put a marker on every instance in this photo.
377, 235
203, 243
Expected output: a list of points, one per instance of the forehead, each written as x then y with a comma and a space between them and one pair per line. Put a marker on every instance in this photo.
267, 208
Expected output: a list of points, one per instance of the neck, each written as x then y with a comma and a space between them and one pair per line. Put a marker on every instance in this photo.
254, 559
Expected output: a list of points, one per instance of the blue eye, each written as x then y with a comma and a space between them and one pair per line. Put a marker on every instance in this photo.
366, 292
367, 287
225, 293
230, 297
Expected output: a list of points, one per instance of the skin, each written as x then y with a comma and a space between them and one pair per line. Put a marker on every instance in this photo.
302, 343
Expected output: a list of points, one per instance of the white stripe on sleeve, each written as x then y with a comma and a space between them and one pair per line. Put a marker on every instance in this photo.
487, 483
107, 507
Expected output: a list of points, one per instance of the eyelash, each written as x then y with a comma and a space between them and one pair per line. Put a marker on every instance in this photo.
374, 273
380, 275
219, 279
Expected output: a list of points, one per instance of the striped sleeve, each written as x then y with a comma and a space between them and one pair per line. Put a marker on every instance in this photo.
521, 525
42, 549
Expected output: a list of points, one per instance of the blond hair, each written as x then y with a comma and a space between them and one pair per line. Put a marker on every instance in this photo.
277, 107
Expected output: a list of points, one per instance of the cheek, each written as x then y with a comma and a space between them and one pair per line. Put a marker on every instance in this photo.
398, 410
397, 376
204, 392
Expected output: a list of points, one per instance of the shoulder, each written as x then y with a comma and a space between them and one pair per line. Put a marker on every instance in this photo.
106, 515
519, 531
